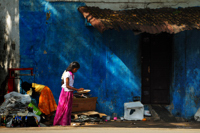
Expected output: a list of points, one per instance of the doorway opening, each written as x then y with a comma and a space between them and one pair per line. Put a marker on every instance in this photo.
156, 58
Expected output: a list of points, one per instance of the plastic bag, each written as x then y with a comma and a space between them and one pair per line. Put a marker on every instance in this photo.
23, 98
15, 101
35, 109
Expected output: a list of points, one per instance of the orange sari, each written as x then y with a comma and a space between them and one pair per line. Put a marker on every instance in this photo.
47, 103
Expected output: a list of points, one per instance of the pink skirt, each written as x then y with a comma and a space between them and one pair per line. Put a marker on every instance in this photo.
64, 109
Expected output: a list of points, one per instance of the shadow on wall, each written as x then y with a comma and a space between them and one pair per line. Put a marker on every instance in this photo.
8, 40
185, 94
110, 62
123, 74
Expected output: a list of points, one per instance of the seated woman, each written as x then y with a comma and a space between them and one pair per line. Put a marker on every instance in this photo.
47, 104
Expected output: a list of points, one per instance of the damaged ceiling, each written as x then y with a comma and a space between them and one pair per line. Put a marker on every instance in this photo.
151, 21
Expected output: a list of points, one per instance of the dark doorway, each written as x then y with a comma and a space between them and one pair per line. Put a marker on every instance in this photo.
156, 54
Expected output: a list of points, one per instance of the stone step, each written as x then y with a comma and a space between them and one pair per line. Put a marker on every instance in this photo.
160, 113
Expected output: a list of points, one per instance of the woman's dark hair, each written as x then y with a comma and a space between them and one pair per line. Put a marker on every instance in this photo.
72, 66
26, 86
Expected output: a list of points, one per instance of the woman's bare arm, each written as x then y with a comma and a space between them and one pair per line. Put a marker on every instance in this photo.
72, 88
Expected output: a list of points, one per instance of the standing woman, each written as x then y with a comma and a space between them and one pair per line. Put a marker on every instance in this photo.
63, 113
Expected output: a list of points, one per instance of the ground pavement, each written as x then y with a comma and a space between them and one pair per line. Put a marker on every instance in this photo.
113, 126
59, 129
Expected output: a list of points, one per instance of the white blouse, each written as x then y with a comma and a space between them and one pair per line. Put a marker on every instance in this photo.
66, 74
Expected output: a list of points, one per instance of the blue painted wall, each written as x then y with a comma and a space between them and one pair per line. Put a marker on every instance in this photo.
110, 62
186, 76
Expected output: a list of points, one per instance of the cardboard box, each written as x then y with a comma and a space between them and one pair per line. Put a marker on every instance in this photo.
84, 104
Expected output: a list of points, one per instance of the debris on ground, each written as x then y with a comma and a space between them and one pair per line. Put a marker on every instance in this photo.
87, 118
14, 112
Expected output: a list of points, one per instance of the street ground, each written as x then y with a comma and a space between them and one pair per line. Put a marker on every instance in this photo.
148, 124
96, 130
114, 127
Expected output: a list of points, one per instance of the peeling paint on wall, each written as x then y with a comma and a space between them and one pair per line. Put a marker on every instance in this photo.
186, 74
48, 14
110, 62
